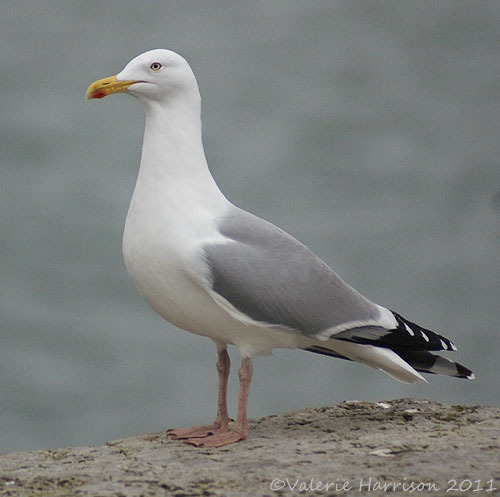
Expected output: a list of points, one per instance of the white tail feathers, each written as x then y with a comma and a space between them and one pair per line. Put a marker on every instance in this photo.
377, 357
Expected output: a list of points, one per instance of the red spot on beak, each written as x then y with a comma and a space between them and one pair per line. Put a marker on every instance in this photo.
99, 94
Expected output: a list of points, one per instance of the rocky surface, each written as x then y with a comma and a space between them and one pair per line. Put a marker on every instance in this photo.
400, 447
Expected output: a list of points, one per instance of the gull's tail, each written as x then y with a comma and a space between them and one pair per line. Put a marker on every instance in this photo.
420, 361
425, 362
402, 352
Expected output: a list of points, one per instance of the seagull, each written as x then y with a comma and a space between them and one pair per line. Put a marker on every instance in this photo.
215, 270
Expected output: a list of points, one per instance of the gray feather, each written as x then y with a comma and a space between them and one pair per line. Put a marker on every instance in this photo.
271, 277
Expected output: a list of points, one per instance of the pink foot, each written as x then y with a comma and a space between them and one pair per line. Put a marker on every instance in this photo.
218, 434
217, 439
195, 431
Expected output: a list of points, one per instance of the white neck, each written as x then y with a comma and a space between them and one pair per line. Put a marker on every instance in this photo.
174, 187
172, 152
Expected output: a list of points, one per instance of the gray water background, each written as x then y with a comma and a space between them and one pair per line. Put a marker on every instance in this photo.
367, 129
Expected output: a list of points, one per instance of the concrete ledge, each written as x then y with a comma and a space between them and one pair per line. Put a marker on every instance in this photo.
398, 447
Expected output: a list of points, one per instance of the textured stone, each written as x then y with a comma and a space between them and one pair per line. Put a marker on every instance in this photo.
354, 448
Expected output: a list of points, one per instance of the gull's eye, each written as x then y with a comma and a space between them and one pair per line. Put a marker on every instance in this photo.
155, 66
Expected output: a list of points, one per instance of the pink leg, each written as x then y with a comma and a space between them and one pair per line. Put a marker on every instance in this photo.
222, 419
240, 430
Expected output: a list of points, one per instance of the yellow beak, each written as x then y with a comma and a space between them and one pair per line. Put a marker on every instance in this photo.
107, 86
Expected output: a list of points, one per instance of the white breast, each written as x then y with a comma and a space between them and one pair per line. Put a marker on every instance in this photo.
163, 253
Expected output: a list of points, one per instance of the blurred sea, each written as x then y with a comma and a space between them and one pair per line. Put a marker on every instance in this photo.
369, 130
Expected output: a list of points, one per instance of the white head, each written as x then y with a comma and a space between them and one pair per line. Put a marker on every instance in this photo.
155, 76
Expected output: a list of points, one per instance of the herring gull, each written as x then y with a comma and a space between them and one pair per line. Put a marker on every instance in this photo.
218, 271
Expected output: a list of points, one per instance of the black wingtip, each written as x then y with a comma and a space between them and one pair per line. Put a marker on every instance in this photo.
426, 362
463, 372
414, 336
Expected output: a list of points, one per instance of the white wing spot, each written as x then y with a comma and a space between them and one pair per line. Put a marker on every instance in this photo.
409, 330
445, 347
426, 338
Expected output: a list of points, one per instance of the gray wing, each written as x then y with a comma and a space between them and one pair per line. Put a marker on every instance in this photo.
271, 277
